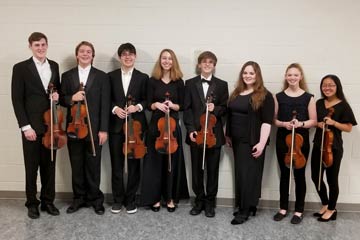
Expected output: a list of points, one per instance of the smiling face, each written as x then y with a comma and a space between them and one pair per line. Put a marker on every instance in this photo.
293, 76
328, 88
127, 59
166, 61
84, 56
39, 49
206, 66
249, 76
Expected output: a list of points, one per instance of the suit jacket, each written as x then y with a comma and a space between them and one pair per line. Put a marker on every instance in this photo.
195, 106
97, 92
137, 89
29, 98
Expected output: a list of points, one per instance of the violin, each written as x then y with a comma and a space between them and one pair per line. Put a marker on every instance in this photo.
294, 142
206, 137
166, 143
327, 139
328, 142
55, 137
78, 129
134, 146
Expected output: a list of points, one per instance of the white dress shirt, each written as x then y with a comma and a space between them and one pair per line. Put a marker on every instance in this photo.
84, 74
206, 85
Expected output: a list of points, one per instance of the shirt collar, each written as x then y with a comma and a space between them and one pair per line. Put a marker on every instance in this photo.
37, 62
86, 69
128, 72
207, 79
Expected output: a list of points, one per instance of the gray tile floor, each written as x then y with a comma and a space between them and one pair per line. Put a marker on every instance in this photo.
145, 224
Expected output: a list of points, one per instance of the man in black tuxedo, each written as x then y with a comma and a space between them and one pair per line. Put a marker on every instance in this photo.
125, 82
197, 91
86, 167
30, 80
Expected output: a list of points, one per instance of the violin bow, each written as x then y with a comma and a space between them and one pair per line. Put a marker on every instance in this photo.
51, 122
168, 131
205, 133
292, 149
90, 129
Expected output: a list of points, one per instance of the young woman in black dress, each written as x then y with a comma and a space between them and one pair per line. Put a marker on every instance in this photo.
158, 182
250, 115
342, 120
293, 98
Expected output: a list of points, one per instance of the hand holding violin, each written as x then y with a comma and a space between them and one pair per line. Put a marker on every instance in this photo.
211, 107
78, 96
162, 106
293, 123
121, 113
131, 109
54, 96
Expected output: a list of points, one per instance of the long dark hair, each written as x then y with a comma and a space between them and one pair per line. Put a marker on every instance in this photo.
339, 90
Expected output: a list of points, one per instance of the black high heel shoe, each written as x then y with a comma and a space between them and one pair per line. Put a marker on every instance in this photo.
155, 208
317, 214
332, 217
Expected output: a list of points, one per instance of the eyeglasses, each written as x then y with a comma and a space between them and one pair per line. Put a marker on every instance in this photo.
328, 86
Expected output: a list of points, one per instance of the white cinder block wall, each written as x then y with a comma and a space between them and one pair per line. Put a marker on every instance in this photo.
322, 35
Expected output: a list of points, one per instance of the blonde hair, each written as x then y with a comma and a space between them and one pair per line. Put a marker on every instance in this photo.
302, 83
175, 71
259, 94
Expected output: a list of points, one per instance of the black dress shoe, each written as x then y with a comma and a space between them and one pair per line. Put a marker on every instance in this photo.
171, 209
279, 216
209, 211
317, 214
155, 208
252, 211
75, 206
33, 212
296, 219
196, 210
332, 217
50, 209
99, 210
239, 219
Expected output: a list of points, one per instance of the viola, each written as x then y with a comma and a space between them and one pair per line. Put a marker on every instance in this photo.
55, 137
294, 156
328, 139
206, 137
134, 146
78, 129
166, 143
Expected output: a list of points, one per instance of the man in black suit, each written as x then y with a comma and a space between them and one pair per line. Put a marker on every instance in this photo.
125, 82
197, 91
84, 165
30, 80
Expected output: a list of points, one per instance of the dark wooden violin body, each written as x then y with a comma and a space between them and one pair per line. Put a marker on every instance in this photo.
55, 137
327, 156
207, 122
134, 146
166, 143
294, 142
78, 128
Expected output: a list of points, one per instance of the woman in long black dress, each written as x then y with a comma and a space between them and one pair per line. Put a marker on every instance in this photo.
158, 182
293, 98
342, 120
250, 114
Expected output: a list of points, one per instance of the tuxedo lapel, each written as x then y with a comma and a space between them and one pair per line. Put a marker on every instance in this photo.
75, 77
90, 79
200, 90
36, 76
132, 83
211, 89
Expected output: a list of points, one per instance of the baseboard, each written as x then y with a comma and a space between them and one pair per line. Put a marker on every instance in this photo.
226, 202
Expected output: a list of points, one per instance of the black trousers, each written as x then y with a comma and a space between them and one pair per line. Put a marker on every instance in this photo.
36, 156
299, 175
332, 175
212, 159
248, 175
86, 170
121, 194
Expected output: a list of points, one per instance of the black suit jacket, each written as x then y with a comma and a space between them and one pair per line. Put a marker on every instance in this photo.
30, 99
97, 92
195, 105
137, 89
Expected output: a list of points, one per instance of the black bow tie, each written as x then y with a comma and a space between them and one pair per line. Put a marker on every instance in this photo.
203, 80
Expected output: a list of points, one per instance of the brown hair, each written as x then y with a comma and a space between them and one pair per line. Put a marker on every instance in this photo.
302, 83
207, 55
36, 36
259, 94
175, 71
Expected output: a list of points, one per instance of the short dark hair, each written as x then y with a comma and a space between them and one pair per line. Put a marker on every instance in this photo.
85, 43
207, 55
126, 47
36, 36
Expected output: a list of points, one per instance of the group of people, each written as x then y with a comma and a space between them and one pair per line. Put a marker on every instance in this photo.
113, 100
